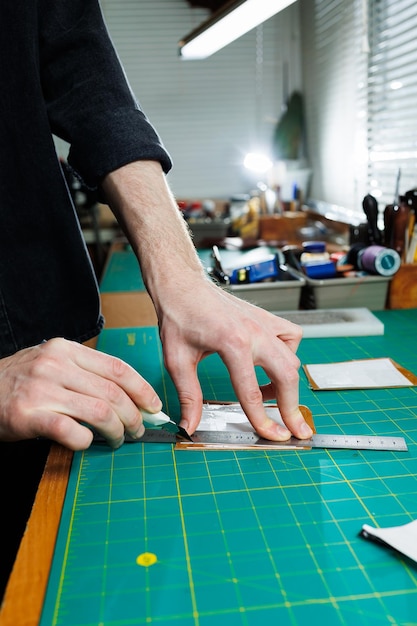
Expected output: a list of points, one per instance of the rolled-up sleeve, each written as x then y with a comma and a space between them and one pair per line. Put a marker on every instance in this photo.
89, 101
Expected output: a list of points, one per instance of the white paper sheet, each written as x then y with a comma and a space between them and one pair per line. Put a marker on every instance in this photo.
402, 538
361, 374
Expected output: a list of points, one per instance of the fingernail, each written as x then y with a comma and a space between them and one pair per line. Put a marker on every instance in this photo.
139, 433
156, 403
305, 430
280, 431
117, 444
184, 424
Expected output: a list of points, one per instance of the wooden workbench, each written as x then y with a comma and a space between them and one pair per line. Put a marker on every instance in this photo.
305, 513
23, 599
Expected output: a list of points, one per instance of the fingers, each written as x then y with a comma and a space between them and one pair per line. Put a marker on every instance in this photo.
293, 418
272, 343
108, 394
59, 389
70, 417
183, 371
64, 430
255, 338
249, 395
281, 365
110, 368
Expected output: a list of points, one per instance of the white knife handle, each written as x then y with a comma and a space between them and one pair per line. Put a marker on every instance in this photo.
156, 419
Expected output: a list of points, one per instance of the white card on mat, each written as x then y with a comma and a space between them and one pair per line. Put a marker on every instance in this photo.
359, 374
402, 538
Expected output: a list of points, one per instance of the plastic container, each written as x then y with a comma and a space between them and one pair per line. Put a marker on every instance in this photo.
280, 295
358, 291
207, 229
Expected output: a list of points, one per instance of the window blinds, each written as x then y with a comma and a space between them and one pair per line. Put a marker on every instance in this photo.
360, 69
392, 97
334, 79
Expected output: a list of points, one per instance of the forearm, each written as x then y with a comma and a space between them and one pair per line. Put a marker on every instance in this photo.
139, 196
198, 318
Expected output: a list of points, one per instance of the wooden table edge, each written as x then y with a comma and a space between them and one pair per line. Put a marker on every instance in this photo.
24, 596
25, 592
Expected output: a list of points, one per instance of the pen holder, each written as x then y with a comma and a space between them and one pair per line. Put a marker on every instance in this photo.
402, 293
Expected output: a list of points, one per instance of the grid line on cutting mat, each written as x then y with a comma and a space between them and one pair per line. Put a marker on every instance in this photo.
241, 537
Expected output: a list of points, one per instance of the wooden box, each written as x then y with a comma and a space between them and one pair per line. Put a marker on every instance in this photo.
402, 292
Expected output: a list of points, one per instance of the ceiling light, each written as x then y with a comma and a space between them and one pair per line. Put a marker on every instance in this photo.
232, 21
257, 162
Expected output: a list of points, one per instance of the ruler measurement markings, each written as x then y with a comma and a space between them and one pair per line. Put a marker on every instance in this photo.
225, 438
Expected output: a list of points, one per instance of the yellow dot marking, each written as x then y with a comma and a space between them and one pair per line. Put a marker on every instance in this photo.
146, 559
131, 339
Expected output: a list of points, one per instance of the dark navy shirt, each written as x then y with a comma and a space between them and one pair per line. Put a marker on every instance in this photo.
59, 74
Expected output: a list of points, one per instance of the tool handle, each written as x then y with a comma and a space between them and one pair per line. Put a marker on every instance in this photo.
400, 228
370, 208
389, 213
156, 419
218, 270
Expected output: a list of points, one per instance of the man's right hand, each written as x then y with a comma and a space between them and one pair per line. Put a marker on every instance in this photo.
52, 390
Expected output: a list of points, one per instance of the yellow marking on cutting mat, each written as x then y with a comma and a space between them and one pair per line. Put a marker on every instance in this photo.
131, 339
146, 559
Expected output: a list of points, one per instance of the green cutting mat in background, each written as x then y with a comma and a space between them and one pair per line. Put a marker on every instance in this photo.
122, 273
150, 535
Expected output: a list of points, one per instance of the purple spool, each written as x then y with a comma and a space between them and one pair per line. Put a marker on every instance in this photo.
379, 260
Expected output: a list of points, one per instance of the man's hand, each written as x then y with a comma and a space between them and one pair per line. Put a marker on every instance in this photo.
206, 320
196, 317
50, 390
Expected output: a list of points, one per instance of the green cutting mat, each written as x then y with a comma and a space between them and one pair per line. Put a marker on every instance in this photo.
154, 536
122, 273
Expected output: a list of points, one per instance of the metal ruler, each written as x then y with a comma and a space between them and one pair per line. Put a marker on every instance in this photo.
228, 440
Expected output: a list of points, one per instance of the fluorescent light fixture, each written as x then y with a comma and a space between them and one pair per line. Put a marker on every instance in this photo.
232, 21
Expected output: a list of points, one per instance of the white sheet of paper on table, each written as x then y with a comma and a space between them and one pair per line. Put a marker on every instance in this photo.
360, 374
230, 417
402, 538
